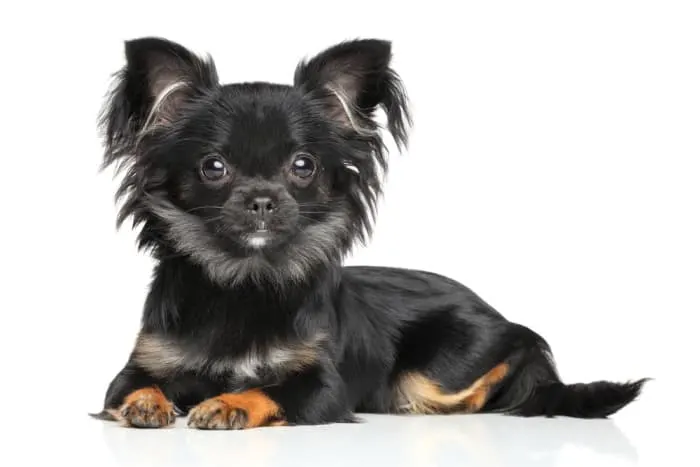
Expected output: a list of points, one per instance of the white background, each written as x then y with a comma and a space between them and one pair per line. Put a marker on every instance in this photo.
553, 168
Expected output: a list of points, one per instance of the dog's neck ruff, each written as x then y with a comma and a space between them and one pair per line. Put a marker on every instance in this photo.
316, 247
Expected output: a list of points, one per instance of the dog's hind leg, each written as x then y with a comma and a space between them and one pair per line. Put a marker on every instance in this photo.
511, 371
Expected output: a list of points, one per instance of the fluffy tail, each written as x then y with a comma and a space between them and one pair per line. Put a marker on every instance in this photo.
534, 388
592, 400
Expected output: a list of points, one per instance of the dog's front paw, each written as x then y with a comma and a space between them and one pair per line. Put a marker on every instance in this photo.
215, 414
146, 408
248, 409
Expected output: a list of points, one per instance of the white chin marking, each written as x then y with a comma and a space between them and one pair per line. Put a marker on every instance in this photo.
257, 242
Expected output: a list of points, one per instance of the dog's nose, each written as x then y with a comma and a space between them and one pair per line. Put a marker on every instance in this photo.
261, 205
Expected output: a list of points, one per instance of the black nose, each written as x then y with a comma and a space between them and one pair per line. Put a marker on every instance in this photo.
261, 205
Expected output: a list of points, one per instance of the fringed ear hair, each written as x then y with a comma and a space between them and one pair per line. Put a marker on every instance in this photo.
159, 76
353, 79
349, 82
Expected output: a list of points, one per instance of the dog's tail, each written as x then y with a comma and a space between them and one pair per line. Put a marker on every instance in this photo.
582, 400
534, 389
105, 414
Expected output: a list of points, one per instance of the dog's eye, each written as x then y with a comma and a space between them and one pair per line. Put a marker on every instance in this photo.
303, 166
213, 169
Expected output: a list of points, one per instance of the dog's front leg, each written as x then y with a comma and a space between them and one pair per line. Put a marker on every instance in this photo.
314, 396
135, 398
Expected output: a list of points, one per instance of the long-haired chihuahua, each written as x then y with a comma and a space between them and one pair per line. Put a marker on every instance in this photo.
249, 196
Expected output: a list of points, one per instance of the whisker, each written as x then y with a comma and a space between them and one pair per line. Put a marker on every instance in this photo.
308, 218
203, 207
320, 203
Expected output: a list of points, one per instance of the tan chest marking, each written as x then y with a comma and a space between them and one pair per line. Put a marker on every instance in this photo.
162, 356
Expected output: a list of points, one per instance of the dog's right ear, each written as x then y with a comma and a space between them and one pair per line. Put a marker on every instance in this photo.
150, 90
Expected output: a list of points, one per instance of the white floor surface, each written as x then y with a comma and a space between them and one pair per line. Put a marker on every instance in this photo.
643, 434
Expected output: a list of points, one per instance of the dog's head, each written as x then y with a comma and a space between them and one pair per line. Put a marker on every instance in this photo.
252, 180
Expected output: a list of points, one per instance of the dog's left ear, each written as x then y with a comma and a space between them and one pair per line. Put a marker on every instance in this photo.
354, 78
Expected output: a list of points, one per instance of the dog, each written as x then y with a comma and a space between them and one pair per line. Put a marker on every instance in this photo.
249, 196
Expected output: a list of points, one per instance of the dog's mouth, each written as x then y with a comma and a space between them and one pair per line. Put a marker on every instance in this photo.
260, 238
253, 237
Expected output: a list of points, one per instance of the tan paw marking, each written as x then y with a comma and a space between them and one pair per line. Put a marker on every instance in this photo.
146, 408
248, 409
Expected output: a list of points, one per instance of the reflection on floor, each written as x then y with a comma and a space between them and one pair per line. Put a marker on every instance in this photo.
482, 440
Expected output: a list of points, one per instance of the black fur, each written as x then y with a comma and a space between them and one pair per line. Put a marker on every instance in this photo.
224, 286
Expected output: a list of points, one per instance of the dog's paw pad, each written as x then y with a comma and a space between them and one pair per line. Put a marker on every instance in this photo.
146, 408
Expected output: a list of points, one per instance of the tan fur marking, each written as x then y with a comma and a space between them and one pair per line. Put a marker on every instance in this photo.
236, 411
477, 399
162, 356
145, 408
419, 394
157, 355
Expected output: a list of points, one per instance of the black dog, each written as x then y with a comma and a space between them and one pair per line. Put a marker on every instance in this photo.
249, 196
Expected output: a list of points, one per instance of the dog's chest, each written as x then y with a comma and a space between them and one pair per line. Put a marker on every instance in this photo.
166, 357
